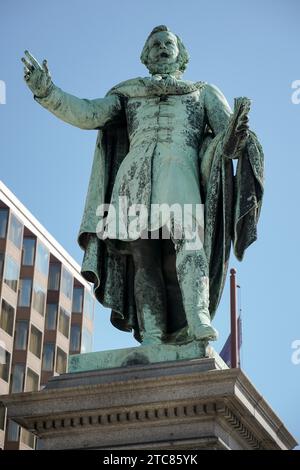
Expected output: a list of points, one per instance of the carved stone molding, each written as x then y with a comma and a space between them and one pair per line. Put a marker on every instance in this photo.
168, 405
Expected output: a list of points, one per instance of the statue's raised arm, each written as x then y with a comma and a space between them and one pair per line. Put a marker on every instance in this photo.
83, 113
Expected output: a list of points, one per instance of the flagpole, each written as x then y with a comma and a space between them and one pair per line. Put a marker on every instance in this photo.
233, 318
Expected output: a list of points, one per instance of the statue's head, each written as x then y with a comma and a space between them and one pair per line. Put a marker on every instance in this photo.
164, 52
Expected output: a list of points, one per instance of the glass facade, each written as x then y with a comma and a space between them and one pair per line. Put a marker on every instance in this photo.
88, 306
75, 338
64, 322
42, 259
51, 316
54, 276
27, 437
67, 283
17, 382
39, 298
32, 381
25, 288
13, 431
21, 335
2, 353
40, 445
2, 416
61, 361
35, 344
15, 231
7, 317
48, 357
77, 299
87, 341
28, 251
11, 273
4, 364
37, 280
3, 222
1, 264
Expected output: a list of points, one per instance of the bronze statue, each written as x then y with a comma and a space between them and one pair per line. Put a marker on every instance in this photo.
162, 141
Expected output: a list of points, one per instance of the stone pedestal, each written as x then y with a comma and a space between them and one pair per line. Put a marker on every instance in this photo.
187, 404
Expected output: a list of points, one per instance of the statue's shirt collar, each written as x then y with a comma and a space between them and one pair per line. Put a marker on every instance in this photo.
157, 85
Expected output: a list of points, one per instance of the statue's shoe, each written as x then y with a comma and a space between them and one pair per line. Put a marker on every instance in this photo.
204, 332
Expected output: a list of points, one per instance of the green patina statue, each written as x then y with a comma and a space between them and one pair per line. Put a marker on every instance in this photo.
162, 141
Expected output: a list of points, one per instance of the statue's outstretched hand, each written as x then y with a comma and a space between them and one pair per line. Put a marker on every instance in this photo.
238, 128
36, 76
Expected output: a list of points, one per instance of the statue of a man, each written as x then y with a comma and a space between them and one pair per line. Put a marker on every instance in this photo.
162, 140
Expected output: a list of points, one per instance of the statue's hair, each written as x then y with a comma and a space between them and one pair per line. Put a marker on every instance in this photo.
183, 56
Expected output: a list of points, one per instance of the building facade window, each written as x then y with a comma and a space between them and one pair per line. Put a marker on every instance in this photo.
54, 276
7, 317
51, 316
39, 298
32, 381
75, 338
21, 335
4, 364
77, 299
87, 341
40, 445
13, 431
66, 283
64, 322
11, 273
3, 222
28, 251
35, 344
42, 259
48, 357
61, 361
2, 416
25, 288
1, 264
27, 438
88, 305
17, 379
15, 231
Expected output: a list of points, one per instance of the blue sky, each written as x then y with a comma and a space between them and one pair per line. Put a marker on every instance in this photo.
246, 49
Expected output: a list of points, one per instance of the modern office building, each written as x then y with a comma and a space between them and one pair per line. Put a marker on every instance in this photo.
46, 310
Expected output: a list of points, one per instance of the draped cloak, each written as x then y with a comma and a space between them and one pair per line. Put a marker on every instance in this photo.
232, 204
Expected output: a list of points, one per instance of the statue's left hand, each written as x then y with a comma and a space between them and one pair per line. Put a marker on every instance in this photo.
36, 76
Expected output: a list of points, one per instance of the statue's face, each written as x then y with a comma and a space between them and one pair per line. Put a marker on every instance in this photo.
163, 49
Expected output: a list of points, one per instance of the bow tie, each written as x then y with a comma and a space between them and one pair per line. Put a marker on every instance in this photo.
165, 80
168, 85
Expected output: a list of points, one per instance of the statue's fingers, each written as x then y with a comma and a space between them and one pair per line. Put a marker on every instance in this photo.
243, 121
242, 115
33, 61
240, 126
45, 66
245, 110
241, 129
27, 64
